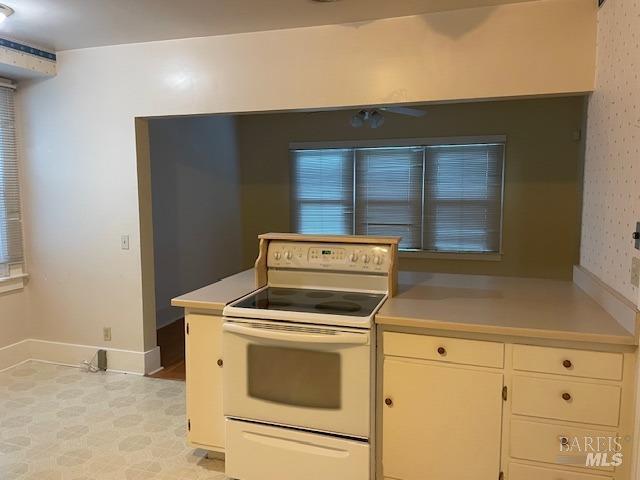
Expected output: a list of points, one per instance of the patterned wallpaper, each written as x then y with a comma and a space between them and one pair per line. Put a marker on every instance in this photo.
612, 169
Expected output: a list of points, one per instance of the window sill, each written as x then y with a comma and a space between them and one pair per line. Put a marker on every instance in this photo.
12, 283
420, 254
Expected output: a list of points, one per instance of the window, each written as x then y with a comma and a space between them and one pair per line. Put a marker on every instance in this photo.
11, 256
389, 193
463, 198
443, 197
323, 189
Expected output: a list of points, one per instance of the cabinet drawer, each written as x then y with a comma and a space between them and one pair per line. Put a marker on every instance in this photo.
566, 400
540, 442
268, 452
519, 471
445, 349
567, 361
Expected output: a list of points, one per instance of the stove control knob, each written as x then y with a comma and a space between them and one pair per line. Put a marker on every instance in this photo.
277, 255
288, 255
365, 258
377, 260
353, 257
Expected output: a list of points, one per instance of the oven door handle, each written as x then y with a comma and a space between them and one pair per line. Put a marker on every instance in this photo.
341, 338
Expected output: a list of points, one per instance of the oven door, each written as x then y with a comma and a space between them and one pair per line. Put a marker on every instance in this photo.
316, 378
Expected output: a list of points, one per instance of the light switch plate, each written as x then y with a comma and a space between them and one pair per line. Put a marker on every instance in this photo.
635, 271
124, 242
106, 334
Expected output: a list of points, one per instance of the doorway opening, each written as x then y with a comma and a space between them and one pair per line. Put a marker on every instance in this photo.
210, 184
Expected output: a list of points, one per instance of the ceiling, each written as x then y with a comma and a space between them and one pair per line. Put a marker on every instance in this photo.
70, 24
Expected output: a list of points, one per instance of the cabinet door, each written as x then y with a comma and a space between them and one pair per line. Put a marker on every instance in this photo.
440, 422
204, 380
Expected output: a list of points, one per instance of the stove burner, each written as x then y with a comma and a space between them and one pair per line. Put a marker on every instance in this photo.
355, 297
341, 307
282, 291
318, 294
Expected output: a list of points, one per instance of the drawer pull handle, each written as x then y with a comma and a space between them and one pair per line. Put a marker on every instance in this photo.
442, 351
220, 362
388, 402
566, 396
567, 364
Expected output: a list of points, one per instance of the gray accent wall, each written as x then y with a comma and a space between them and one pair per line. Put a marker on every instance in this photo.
543, 161
195, 189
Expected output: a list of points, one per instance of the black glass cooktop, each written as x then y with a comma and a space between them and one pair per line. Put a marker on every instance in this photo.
305, 300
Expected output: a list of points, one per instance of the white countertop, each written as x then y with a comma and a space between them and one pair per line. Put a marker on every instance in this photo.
525, 307
528, 307
214, 297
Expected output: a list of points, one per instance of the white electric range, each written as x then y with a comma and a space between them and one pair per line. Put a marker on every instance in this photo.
300, 364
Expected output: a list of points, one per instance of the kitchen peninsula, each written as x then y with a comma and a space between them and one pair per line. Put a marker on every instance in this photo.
510, 364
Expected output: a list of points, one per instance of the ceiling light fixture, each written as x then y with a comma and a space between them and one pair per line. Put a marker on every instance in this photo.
371, 118
359, 118
5, 12
376, 119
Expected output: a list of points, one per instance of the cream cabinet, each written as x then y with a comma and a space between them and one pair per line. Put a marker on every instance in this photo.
441, 420
466, 408
567, 403
204, 365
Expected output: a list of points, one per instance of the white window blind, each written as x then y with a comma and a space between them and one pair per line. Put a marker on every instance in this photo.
10, 220
389, 193
463, 198
322, 191
439, 198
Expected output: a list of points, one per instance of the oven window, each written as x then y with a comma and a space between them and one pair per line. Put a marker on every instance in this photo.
290, 376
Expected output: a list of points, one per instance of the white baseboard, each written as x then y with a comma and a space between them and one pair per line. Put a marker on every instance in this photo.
620, 308
152, 361
14, 354
125, 361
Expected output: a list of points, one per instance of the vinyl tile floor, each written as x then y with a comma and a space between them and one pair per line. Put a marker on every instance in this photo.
63, 423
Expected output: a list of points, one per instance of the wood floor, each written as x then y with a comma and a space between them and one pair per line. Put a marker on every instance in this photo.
171, 343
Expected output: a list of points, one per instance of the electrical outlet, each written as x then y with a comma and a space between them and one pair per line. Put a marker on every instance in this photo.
106, 334
635, 271
124, 242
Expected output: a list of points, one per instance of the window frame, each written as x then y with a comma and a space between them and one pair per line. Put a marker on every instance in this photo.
294, 189
14, 276
423, 142
364, 202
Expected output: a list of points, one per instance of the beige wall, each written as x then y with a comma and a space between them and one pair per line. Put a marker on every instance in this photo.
542, 184
80, 177
13, 318
612, 167
196, 206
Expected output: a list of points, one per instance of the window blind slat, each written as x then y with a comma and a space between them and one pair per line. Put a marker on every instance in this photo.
11, 251
443, 198
463, 198
389, 193
322, 191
